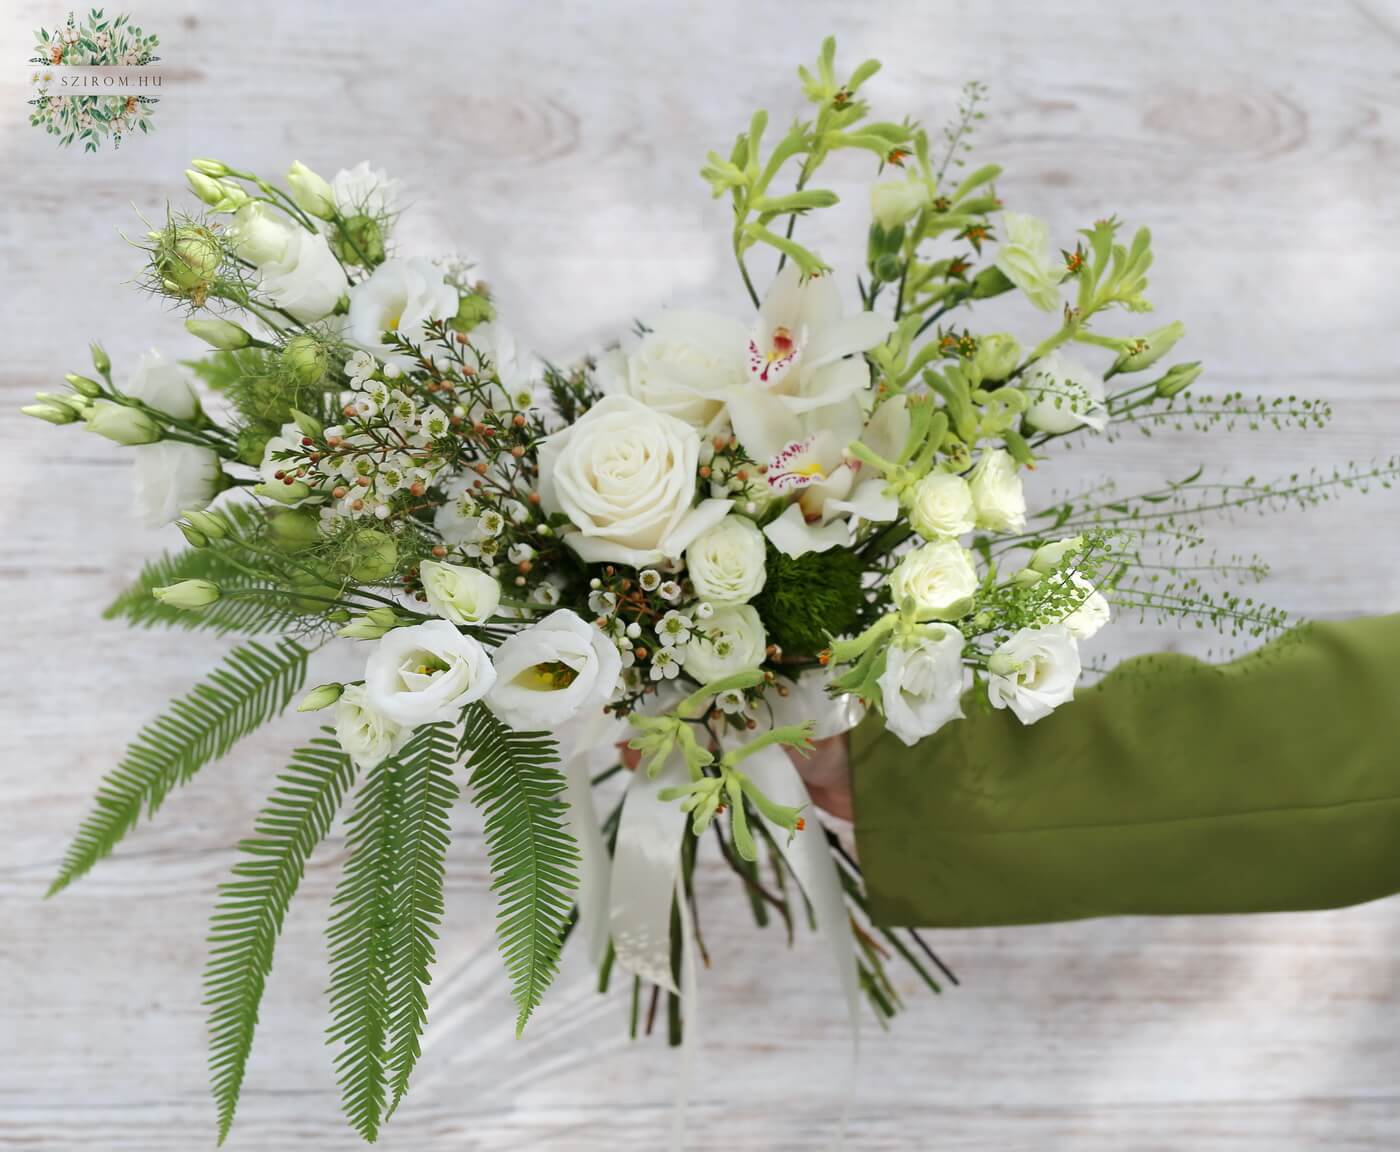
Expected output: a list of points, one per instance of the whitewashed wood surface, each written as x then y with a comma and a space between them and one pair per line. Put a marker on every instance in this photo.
560, 143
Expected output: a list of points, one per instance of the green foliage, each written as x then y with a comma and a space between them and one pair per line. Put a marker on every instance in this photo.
243, 615
516, 784
248, 917
254, 684
386, 911
810, 599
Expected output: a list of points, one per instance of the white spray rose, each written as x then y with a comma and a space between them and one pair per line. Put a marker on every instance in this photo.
730, 641
173, 478
681, 367
921, 686
997, 493
260, 235
1093, 611
938, 580
164, 385
941, 506
553, 671
1034, 672
459, 594
727, 562
1064, 395
427, 672
896, 202
308, 281
365, 734
624, 475
1027, 260
400, 296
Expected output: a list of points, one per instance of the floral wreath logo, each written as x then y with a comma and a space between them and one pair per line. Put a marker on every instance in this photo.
96, 42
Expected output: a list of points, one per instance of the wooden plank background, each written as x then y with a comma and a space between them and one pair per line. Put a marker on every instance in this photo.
560, 144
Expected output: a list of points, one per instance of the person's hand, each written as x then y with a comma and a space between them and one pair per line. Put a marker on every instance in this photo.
826, 772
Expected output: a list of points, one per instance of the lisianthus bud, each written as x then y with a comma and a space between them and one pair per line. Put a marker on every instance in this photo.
52, 413
1149, 350
1048, 557
311, 192
222, 334
122, 424
193, 536
896, 202
210, 523
1179, 377
210, 167
100, 360
188, 258
81, 384
305, 358
76, 403
1027, 578
362, 628
990, 282
998, 354
308, 424
205, 187
322, 696
187, 594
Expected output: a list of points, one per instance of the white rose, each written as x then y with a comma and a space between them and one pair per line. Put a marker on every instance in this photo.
366, 735
259, 235
681, 367
363, 190
730, 641
938, 580
174, 478
624, 475
727, 562
921, 686
941, 506
896, 202
1027, 260
1093, 611
552, 671
164, 385
997, 493
1064, 395
1034, 672
459, 594
427, 672
308, 281
400, 296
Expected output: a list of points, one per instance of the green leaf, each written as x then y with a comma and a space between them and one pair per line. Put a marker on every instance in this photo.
254, 684
516, 784
429, 788
387, 909
248, 917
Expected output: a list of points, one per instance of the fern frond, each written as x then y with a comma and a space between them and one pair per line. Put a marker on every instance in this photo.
248, 917
516, 784
231, 613
254, 684
360, 935
429, 790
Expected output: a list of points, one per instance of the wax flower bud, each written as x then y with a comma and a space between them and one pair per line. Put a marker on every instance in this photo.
311, 192
224, 335
1146, 351
122, 424
322, 696
187, 594
997, 356
304, 357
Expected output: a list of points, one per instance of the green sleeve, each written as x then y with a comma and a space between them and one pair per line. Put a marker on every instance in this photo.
1172, 786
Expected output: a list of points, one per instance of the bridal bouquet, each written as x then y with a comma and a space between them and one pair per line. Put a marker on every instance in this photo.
720, 540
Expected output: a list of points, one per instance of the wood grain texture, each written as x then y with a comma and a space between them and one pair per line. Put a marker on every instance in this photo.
559, 143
